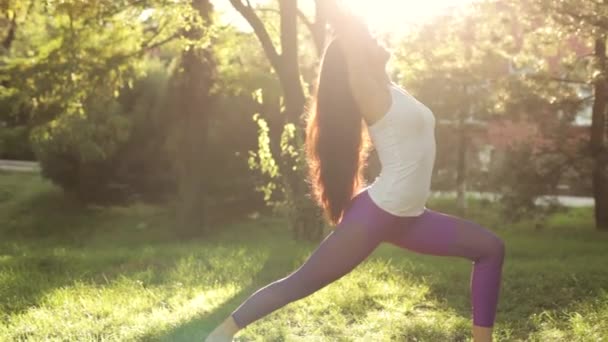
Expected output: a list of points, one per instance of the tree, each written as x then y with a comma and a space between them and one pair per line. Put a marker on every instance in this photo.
60, 60
304, 219
69, 62
562, 25
454, 56
66, 49
193, 103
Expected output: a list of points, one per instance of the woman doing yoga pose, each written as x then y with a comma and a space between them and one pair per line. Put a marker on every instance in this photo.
354, 99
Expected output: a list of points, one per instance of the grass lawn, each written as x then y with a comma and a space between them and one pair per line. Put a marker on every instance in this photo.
69, 273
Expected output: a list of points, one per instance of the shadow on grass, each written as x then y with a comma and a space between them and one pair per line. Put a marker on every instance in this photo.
29, 272
48, 215
276, 266
36, 229
49, 241
538, 276
527, 289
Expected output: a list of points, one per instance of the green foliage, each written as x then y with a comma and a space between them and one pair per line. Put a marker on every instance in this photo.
457, 57
552, 71
278, 193
143, 163
56, 70
116, 147
288, 145
523, 176
14, 143
75, 149
66, 51
242, 67
263, 161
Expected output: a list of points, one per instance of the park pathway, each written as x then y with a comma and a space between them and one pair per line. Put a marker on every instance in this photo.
18, 165
569, 201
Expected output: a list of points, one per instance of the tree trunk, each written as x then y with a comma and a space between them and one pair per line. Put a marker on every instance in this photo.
468, 37
303, 217
193, 103
303, 223
318, 29
461, 201
290, 66
599, 151
10, 36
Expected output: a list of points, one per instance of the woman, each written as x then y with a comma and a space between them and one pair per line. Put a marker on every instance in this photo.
354, 91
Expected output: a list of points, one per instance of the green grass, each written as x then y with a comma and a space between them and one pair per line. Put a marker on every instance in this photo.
70, 273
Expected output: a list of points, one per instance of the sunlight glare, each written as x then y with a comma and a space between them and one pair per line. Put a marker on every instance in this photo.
393, 17
397, 16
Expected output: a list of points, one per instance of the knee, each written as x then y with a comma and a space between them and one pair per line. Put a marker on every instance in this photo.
497, 248
490, 249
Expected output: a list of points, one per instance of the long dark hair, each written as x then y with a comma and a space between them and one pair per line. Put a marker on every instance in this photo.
336, 139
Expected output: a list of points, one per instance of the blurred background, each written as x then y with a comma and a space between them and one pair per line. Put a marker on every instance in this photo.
136, 122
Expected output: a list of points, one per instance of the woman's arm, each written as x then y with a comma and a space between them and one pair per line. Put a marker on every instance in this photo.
368, 80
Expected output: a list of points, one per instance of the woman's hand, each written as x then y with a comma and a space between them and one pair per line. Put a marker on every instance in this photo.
365, 60
346, 24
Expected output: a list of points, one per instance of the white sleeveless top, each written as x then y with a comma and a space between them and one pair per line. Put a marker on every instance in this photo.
405, 141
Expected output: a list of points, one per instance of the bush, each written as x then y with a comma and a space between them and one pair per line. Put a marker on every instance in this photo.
522, 177
114, 148
143, 162
14, 143
76, 150
118, 149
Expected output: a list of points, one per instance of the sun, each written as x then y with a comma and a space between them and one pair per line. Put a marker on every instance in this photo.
398, 16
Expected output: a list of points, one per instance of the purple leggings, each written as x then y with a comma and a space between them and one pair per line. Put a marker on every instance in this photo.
362, 229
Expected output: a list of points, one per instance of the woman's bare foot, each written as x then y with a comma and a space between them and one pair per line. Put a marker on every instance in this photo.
482, 334
224, 332
218, 337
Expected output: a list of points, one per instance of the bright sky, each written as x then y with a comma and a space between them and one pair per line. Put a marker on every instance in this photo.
384, 16
396, 16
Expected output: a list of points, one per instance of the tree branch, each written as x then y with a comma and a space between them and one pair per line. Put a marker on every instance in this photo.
108, 13
556, 79
573, 16
586, 98
315, 28
319, 27
147, 46
301, 16
305, 20
247, 11
10, 36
